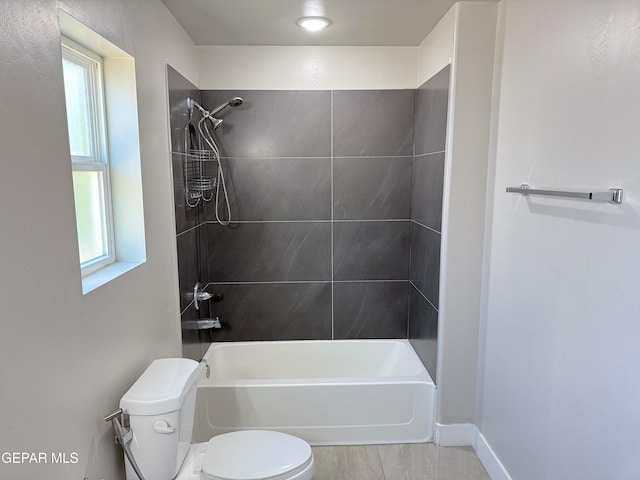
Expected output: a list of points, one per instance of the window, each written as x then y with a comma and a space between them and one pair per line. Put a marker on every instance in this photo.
86, 120
102, 116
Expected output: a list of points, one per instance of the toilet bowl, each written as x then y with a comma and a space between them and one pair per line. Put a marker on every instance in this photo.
161, 407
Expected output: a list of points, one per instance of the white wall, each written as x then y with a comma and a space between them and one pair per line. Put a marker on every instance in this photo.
559, 389
67, 358
465, 38
306, 68
436, 50
464, 211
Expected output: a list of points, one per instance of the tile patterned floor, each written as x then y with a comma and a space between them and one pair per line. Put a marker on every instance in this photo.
398, 462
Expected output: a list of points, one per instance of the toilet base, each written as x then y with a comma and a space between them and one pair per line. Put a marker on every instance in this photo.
192, 465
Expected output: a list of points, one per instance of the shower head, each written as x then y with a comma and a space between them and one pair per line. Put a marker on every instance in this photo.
234, 102
216, 122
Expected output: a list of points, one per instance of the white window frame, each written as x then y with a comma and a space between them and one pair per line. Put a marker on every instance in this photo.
98, 160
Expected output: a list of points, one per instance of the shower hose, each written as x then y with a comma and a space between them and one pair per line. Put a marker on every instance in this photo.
123, 438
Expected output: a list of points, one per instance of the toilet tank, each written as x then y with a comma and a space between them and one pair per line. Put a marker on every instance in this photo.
161, 406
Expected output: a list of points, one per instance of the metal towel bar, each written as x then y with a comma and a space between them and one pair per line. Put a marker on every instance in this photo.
614, 195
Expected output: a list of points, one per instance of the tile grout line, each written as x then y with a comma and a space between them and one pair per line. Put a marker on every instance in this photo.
375, 220
378, 220
298, 282
428, 228
271, 157
423, 296
240, 222
281, 282
371, 281
430, 153
192, 228
390, 157
185, 309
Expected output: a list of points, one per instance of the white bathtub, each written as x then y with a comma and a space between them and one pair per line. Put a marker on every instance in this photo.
326, 392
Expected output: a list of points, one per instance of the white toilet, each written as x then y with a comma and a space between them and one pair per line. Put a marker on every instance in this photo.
161, 407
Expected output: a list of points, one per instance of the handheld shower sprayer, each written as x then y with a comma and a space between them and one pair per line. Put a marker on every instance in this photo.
233, 102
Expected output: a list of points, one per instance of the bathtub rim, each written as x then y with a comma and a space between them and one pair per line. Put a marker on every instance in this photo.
422, 377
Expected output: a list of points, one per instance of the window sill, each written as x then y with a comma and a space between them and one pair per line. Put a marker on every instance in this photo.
106, 274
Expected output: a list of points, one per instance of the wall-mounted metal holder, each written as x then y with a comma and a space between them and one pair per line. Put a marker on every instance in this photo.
614, 195
123, 437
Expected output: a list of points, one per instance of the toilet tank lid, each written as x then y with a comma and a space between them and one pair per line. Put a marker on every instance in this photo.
161, 388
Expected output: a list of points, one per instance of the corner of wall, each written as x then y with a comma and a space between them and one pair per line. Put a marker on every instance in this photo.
436, 50
454, 435
488, 457
473, 47
491, 172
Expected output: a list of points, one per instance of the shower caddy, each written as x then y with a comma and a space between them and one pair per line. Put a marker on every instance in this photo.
199, 185
199, 166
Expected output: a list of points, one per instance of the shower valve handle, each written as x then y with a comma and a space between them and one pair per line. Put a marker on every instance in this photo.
199, 295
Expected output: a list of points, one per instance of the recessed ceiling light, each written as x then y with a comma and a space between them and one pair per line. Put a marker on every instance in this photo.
313, 24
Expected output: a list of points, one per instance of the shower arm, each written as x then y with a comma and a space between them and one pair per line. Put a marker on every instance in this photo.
205, 113
192, 103
233, 102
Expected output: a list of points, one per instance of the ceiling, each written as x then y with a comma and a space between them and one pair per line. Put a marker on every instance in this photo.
272, 22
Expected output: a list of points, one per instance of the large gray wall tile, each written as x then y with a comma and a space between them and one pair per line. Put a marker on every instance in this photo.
275, 311
270, 252
186, 217
192, 262
202, 253
426, 202
188, 273
179, 90
210, 169
371, 250
279, 188
425, 261
432, 101
193, 346
371, 188
373, 122
281, 195
370, 309
194, 342
273, 123
423, 330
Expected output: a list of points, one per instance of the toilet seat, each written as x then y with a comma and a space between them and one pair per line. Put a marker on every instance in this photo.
257, 455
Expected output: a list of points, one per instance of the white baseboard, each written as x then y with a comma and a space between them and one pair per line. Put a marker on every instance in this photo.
488, 457
453, 435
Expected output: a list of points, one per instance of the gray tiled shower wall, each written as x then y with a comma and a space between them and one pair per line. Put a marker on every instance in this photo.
191, 226
320, 186
432, 99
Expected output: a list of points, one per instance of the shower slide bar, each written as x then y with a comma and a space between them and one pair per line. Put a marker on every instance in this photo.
614, 195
